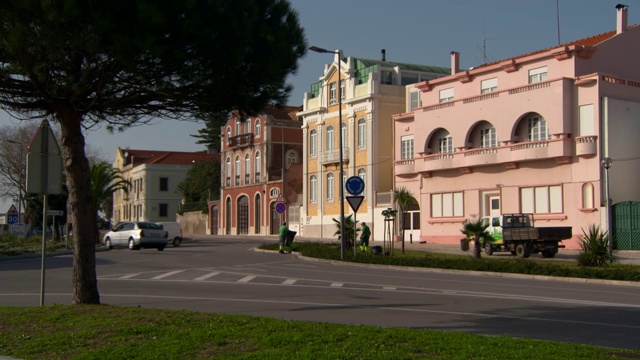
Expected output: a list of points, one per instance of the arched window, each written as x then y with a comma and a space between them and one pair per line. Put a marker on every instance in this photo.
330, 186
362, 173
258, 167
274, 192
228, 134
247, 169
247, 126
330, 142
237, 126
227, 171
445, 144
292, 158
313, 189
258, 128
362, 133
237, 170
313, 145
488, 137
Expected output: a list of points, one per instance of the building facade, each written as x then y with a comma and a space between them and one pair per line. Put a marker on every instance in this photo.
371, 91
261, 167
154, 176
526, 134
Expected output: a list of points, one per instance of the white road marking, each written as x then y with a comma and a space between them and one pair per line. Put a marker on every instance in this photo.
337, 284
246, 279
289, 282
130, 276
206, 276
162, 276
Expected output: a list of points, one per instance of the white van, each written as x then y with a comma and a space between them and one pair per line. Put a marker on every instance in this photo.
175, 232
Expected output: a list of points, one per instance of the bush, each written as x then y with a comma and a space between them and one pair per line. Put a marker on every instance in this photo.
594, 245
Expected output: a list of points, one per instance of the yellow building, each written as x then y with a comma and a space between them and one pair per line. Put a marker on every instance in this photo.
372, 91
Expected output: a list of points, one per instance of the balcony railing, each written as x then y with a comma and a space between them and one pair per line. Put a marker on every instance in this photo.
586, 146
332, 156
241, 140
558, 149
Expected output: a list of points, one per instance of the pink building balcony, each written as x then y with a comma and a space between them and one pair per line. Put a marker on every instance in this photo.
405, 167
559, 149
586, 146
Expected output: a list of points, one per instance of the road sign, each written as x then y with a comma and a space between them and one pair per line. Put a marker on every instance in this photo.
44, 163
12, 219
55, 212
354, 202
354, 185
280, 199
281, 208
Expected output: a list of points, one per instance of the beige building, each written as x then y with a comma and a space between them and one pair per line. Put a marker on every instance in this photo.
154, 176
372, 91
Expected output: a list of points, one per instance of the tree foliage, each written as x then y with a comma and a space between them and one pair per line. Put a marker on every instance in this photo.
404, 199
202, 182
105, 180
124, 62
476, 231
210, 134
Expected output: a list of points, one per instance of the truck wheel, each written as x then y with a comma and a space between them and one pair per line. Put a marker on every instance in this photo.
523, 251
548, 253
488, 249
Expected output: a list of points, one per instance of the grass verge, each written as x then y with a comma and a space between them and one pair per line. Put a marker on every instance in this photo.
110, 332
460, 262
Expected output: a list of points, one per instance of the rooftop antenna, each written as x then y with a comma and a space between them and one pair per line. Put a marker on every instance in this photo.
558, 18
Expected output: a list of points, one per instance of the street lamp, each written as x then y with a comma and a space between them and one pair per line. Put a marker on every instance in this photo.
343, 238
21, 182
606, 164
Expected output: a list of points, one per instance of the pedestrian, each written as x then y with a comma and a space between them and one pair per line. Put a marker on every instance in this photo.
364, 237
284, 231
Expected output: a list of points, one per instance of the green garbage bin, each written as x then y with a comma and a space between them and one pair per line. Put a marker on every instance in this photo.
464, 244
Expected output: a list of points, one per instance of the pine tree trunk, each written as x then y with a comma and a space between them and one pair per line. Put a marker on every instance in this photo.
83, 216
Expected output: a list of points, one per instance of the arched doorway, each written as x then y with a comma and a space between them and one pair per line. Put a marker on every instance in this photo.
411, 222
257, 220
625, 221
243, 215
228, 217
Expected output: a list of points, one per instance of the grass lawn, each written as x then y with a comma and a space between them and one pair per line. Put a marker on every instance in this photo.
110, 332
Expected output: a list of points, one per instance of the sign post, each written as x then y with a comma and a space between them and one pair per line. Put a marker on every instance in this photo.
44, 176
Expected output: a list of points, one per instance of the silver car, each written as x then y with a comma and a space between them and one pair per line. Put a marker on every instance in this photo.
136, 235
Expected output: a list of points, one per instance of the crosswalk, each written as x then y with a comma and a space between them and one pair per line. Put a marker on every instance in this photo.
220, 276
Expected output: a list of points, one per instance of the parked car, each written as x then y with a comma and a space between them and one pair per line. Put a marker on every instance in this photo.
175, 231
136, 235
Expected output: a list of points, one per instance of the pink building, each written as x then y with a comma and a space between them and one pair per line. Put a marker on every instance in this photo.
528, 134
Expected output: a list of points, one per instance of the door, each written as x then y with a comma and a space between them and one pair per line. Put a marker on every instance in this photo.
274, 219
258, 215
214, 220
243, 215
625, 221
228, 217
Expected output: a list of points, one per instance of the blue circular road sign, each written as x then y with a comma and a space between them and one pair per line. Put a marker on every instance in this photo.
280, 208
354, 185
12, 219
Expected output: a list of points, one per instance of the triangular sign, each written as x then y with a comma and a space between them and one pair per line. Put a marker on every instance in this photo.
355, 201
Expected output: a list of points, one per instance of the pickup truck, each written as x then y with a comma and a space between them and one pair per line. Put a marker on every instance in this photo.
516, 233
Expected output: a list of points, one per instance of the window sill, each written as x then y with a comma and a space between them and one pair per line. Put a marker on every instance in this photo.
538, 217
588, 210
444, 220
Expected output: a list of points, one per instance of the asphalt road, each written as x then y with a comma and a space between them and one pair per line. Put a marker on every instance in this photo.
226, 275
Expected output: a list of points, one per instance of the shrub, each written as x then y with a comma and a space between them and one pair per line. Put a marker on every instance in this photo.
594, 245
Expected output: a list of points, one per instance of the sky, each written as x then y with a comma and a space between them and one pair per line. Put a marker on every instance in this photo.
411, 31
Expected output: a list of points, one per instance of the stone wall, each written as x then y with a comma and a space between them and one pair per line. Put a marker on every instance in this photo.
193, 223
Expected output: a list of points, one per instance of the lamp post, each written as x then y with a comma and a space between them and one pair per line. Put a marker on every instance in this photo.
21, 182
606, 164
343, 239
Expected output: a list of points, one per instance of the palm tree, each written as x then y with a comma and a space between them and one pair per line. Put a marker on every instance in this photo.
476, 231
403, 199
349, 228
105, 180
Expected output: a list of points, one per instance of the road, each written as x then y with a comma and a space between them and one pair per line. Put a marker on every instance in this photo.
226, 275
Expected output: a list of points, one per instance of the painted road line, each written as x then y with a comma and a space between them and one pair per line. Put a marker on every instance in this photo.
162, 276
206, 276
289, 282
246, 279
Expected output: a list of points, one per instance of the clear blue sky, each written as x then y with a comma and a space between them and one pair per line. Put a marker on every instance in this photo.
411, 31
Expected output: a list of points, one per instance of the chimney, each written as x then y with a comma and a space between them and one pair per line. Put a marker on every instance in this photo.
455, 62
621, 23
384, 55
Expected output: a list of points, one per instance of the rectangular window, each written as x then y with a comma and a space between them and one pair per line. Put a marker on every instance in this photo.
537, 127
386, 77
447, 205
414, 101
406, 147
332, 93
408, 78
446, 95
489, 85
587, 120
541, 199
313, 189
445, 145
163, 210
164, 184
488, 138
330, 186
342, 92
313, 143
537, 75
